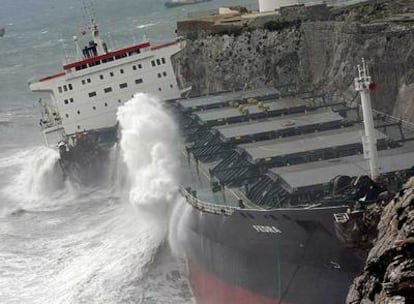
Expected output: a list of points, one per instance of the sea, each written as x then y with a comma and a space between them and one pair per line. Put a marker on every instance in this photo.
62, 241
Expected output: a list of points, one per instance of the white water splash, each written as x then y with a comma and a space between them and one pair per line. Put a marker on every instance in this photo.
149, 149
99, 247
36, 179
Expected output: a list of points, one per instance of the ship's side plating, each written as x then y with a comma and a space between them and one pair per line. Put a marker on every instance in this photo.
279, 256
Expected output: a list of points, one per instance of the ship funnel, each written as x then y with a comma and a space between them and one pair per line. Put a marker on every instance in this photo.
363, 85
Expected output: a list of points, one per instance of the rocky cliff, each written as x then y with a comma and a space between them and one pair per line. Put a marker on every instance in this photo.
388, 276
313, 55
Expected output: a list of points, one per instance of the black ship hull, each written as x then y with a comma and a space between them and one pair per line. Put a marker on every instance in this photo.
278, 256
87, 159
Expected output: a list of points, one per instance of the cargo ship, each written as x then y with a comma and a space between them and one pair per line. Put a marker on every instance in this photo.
175, 3
79, 117
268, 178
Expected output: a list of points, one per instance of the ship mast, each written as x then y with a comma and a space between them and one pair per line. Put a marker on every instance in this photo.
100, 47
363, 85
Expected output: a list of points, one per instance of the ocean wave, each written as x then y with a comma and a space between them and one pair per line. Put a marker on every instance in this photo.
142, 26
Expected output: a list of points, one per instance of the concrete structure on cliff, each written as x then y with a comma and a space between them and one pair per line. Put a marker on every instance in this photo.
271, 5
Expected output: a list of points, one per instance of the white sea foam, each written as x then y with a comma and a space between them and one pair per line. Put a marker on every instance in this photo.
101, 246
149, 140
141, 26
36, 180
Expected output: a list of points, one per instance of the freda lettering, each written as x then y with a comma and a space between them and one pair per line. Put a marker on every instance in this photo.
266, 229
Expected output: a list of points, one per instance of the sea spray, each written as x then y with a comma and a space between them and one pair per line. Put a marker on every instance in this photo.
36, 179
149, 140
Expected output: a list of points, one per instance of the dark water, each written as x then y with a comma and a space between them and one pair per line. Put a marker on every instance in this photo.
62, 242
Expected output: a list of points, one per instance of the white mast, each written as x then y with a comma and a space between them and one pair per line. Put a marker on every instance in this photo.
88, 8
363, 83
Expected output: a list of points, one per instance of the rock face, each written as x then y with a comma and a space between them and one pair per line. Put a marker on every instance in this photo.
388, 276
314, 56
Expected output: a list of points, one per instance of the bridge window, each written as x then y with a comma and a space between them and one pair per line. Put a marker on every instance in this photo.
107, 90
138, 81
123, 85
92, 94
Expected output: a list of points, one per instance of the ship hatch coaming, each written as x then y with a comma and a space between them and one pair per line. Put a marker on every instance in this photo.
254, 156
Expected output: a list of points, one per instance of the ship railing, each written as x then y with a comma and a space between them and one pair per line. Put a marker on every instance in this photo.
392, 119
191, 198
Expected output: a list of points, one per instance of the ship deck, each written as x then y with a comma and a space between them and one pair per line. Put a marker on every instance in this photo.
282, 151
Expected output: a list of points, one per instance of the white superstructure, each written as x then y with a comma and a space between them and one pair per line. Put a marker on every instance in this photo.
86, 94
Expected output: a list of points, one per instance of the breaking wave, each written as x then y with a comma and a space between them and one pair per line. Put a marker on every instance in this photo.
36, 180
65, 243
149, 140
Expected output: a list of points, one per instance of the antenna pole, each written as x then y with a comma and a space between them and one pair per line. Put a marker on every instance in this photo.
363, 84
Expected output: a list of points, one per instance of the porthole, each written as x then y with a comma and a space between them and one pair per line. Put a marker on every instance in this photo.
106, 104
94, 107
78, 112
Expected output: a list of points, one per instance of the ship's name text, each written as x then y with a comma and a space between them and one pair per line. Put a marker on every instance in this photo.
266, 229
